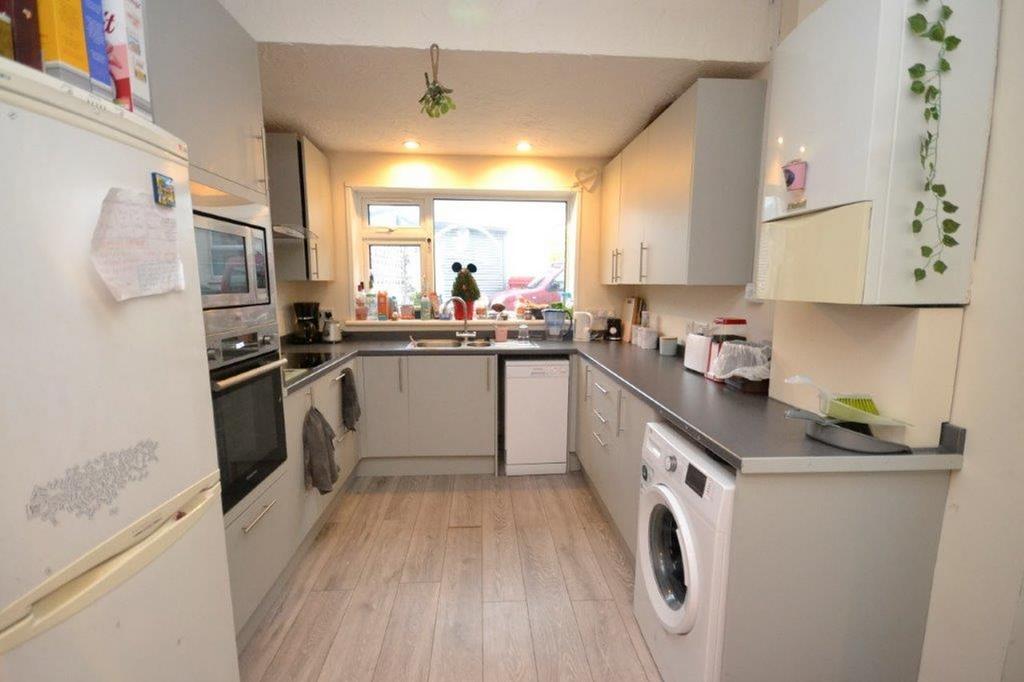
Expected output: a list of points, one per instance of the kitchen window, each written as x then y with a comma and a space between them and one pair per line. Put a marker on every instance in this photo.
519, 242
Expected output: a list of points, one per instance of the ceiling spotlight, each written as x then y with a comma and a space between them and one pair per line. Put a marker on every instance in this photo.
524, 146
411, 144
803, 149
781, 140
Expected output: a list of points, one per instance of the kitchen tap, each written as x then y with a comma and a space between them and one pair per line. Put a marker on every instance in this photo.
465, 333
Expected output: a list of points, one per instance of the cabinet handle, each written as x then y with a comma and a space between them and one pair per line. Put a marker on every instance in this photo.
586, 382
603, 444
401, 387
643, 249
601, 388
259, 517
615, 265
618, 415
316, 261
601, 418
487, 374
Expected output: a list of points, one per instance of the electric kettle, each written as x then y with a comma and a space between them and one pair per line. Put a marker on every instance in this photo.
582, 322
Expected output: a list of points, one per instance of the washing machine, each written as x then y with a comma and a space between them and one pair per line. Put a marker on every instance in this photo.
682, 554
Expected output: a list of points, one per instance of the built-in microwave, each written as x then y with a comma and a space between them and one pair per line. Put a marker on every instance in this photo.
233, 263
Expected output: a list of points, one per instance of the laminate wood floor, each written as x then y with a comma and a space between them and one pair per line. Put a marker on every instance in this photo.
457, 578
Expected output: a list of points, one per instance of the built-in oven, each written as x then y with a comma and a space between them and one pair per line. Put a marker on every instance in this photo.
248, 408
233, 263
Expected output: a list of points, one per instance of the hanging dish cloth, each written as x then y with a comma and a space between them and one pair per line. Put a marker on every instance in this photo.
350, 411
318, 451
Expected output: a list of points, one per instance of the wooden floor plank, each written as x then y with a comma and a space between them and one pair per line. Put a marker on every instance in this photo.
508, 644
302, 653
639, 645
405, 501
609, 649
357, 643
502, 568
346, 564
466, 508
408, 642
458, 634
557, 645
583, 577
425, 558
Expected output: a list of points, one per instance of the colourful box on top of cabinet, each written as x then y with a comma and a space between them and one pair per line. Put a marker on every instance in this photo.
96, 48
25, 26
62, 35
126, 51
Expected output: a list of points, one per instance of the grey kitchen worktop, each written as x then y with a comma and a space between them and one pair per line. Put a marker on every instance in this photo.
750, 433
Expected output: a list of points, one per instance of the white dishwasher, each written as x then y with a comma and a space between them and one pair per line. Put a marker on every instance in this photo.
536, 416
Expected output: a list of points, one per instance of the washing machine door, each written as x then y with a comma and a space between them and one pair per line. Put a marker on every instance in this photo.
668, 563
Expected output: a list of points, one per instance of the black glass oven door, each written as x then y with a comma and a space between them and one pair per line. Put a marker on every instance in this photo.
248, 413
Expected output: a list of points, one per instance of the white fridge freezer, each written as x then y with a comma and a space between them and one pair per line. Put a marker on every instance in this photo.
114, 564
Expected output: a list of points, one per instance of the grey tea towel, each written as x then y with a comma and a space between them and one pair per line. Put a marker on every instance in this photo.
350, 412
318, 451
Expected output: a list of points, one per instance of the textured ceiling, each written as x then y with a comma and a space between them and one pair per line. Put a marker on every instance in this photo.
720, 30
365, 98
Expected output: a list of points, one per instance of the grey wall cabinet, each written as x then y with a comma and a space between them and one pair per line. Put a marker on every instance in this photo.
205, 83
454, 405
301, 208
687, 191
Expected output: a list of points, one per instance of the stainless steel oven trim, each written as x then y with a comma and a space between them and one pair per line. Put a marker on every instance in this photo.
255, 295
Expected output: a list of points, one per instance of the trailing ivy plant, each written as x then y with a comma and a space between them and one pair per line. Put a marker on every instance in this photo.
936, 211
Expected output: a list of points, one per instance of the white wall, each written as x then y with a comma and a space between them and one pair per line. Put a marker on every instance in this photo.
978, 578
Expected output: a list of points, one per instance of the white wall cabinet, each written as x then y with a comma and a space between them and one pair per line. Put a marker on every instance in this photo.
687, 191
205, 83
301, 210
841, 101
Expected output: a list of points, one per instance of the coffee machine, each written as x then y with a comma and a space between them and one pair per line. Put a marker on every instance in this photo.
307, 318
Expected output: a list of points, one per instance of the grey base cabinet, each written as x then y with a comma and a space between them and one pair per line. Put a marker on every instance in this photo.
262, 540
430, 406
610, 424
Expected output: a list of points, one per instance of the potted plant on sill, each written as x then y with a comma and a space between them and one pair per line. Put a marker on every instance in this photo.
465, 288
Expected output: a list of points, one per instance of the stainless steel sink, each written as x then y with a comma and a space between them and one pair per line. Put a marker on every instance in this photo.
436, 343
479, 343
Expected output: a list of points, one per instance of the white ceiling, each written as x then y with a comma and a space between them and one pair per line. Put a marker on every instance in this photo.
365, 98
703, 30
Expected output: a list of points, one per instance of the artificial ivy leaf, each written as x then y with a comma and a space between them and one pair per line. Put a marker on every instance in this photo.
948, 240
927, 186
939, 190
946, 12
917, 70
939, 267
917, 87
919, 208
935, 113
931, 93
937, 33
928, 114
916, 226
949, 226
952, 42
918, 23
944, 65
949, 207
919, 274
926, 251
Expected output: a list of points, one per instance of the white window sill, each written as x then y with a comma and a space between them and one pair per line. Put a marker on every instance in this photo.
412, 325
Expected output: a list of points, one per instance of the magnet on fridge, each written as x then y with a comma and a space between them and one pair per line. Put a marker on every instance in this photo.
163, 190
795, 174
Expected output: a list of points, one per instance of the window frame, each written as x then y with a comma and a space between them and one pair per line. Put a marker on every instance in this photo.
362, 235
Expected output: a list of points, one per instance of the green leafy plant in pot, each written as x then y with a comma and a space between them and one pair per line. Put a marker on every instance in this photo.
465, 288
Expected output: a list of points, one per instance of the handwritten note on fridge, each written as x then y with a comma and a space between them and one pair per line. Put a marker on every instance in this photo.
135, 246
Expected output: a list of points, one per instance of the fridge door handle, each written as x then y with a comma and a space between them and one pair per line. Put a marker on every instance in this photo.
63, 600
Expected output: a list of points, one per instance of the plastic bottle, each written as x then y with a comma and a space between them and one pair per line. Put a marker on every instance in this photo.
382, 305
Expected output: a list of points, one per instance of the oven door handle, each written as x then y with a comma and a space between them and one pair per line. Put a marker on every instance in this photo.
242, 377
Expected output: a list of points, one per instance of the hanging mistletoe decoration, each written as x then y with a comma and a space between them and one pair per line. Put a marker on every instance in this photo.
935, 211
436, 101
